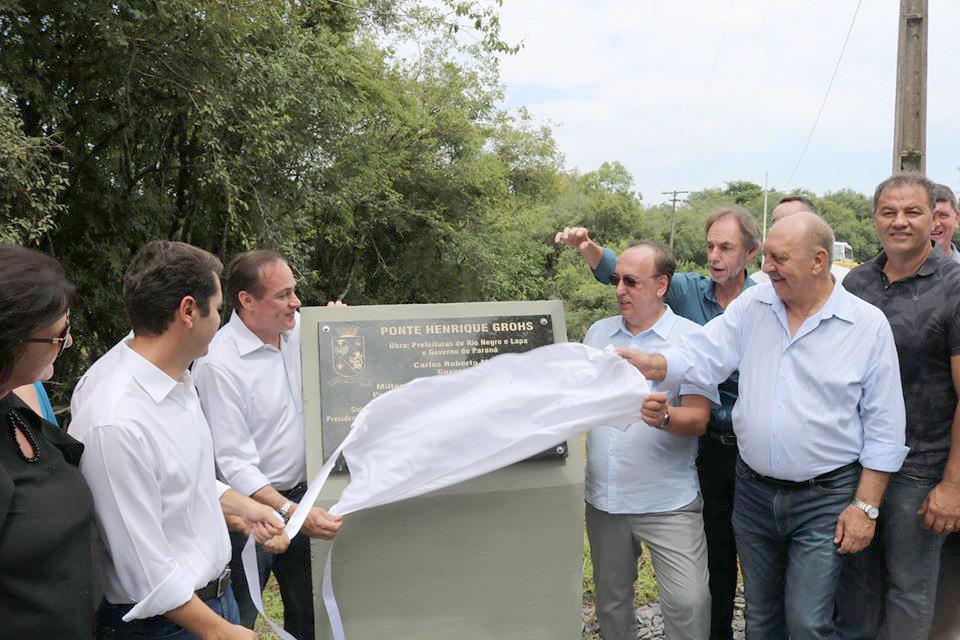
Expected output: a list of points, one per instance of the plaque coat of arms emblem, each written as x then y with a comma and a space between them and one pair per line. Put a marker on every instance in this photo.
348, 356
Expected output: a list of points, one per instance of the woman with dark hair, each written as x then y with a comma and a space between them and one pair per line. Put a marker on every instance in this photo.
46, 510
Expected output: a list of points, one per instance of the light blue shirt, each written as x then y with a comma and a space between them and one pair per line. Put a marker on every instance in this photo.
954, 255
811, 404
642, 469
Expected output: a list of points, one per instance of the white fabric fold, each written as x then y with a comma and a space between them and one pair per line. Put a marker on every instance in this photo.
436, 432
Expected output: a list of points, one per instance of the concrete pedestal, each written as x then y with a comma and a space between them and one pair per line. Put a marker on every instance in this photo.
496, 557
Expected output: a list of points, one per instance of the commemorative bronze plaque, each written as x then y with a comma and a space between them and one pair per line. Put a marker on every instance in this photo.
361, 359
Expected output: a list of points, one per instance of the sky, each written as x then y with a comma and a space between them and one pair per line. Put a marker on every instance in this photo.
683, 103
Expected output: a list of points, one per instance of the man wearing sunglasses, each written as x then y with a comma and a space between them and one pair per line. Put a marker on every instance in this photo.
732, 240
641, 484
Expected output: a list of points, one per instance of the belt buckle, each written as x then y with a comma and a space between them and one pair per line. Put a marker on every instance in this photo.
728, 439
223, 582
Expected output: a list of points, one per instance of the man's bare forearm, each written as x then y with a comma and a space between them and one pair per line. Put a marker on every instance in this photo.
269, 496
873, 484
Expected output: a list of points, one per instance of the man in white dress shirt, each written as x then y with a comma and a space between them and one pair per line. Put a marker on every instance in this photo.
250, 389
148, 459
641, 484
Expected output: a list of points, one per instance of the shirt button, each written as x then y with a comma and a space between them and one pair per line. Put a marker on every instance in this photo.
780, 404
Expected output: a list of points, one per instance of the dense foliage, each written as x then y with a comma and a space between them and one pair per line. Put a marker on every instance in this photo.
307, 126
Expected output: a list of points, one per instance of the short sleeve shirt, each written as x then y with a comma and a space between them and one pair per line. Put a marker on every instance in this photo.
924, 313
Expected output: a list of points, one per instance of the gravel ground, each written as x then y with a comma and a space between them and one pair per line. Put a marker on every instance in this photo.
651, 621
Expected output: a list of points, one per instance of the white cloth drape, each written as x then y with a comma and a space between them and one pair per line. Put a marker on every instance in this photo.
435, 432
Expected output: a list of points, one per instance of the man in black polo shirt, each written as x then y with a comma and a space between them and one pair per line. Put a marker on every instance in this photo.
888, 591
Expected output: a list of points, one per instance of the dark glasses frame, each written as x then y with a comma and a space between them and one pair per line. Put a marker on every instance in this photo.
61, 340
629, 281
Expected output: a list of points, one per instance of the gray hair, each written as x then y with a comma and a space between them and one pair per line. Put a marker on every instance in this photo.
906, 179
943, 193
749, 232
819, 235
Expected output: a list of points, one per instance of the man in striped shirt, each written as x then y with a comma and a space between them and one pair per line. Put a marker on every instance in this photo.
819, 421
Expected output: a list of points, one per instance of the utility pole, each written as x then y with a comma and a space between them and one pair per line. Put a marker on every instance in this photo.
910, 121
673, 216
766, 195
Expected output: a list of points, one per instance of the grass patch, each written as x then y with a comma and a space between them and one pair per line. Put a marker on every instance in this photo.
274, 608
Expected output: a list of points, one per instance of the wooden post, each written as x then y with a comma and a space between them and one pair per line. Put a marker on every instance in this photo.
910, 121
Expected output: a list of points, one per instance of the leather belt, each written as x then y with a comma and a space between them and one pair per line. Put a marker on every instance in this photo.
803, 484
216, 587
299, 488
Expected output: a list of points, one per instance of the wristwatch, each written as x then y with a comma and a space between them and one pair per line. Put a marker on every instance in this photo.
872, 512
665, 423
284, 511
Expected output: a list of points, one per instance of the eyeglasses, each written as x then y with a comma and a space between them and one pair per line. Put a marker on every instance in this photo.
61, 340
628, 280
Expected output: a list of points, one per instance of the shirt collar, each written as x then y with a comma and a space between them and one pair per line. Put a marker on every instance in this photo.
929, 266
662, 327
155, 382
839, 304
247, 341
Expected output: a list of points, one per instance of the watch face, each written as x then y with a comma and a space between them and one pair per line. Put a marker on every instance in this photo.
873, 513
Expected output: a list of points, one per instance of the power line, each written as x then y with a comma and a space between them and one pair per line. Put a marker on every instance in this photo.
736, 87
823, 103
703, 101
753, 99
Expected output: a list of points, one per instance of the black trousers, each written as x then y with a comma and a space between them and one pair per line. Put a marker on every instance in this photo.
717, 463
292, 570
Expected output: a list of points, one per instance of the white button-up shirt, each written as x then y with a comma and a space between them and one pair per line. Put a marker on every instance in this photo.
91, 377
148, 459
251, 395
642, 469
809, 404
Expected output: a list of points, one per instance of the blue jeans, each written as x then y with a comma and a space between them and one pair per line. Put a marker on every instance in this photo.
110, 624
294, 577
790, 564
888, 590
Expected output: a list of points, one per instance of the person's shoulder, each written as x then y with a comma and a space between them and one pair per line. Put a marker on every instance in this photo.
222, 351
117, 401
682, 326
861, 310
688, 279
600, 329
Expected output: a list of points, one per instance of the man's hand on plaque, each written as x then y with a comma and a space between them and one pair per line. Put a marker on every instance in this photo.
336, 303
320, 524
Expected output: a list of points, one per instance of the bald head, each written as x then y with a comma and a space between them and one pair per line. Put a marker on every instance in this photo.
808, 230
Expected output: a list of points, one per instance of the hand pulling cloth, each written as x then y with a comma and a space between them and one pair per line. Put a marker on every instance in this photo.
434, 432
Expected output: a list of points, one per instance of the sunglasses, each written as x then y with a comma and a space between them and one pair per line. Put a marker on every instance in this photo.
59, 340
628, 280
